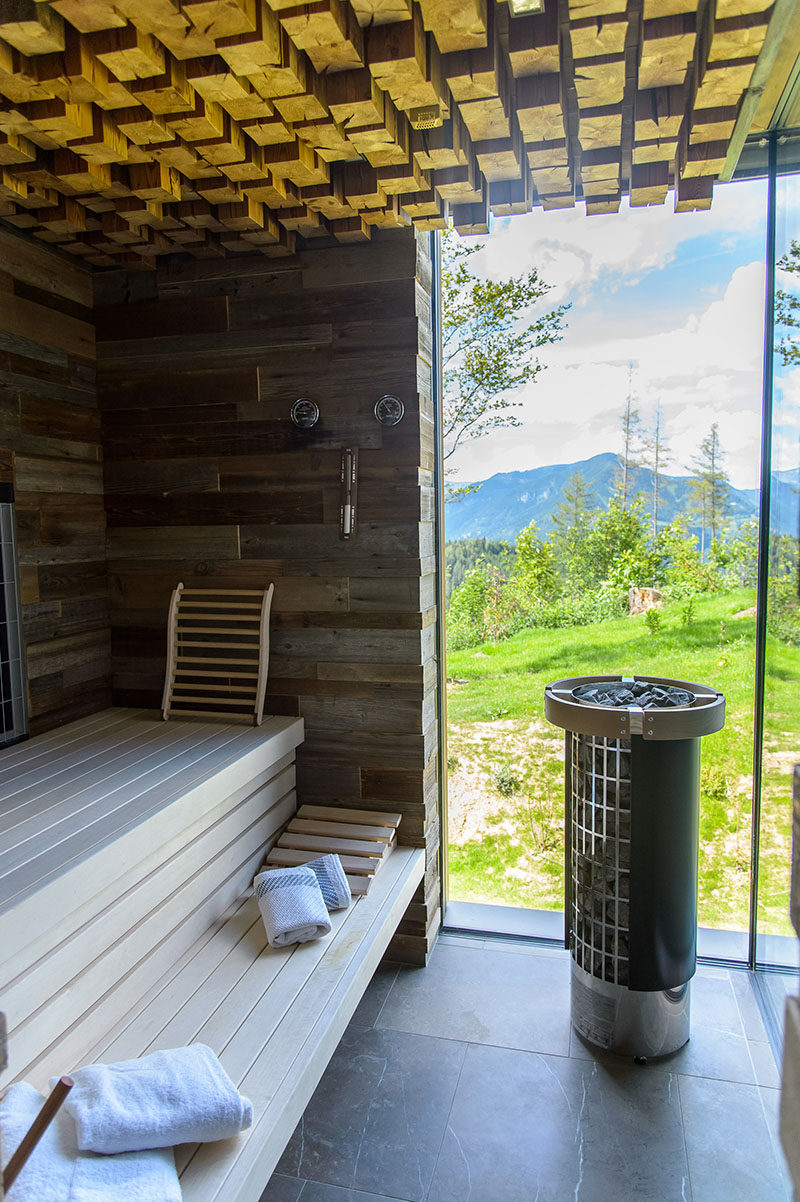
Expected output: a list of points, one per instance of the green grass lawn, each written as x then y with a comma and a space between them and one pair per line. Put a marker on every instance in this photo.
502, 749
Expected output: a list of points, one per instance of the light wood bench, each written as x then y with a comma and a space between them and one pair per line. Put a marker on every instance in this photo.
127, 925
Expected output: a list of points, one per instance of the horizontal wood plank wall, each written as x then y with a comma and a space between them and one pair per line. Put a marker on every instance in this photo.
50, 451
207, 481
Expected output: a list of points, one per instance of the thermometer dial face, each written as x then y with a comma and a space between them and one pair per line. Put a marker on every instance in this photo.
389, 410
305, 413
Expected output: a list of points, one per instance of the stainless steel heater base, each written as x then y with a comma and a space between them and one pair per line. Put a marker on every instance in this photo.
626, 1021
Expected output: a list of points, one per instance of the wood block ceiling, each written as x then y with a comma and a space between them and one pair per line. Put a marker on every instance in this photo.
130, 129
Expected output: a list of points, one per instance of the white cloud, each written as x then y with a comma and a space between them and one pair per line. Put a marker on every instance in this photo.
705, 370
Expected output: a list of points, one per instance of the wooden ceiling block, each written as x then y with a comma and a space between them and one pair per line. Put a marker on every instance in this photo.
661, 150
66, 217
704, 159
89, 16
140, 126
214, 80
398, 58
74, 74
459, 185
403, 178
464, 81
249, 53
274, 193
182, 157
328, 32
217, 190
60, 119
471, 219
600, 172
539, 107
510, 198
593, 36
204, 121
447, 146
658, 113
600, 81
199, 214
351, 229
14, 148
229, 147
155, 181
128, 53
298, 163
250, 167
724, 83
533, 43
543, 155
668, 45
712, 125
456, 24
579, 9
354, 99
693, 193
555, 188
245, 214
739, 8
499, 158
80, 173
599, 127
18, 80
328, 200
653, 9
170, 92
138, 212
328, 138
269, 132
360, 186
31, 28
487, 118
305, 222
381, 12
738, 36
649, 184
303, 106
221, 18
385, 144
289, 77
389, 218
602, 204
423, 204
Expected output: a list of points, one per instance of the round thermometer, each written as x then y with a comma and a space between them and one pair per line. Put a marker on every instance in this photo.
389, 410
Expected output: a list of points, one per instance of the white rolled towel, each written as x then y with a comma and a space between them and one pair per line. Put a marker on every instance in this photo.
291, 905
58, 1172
332, 881
176, 1096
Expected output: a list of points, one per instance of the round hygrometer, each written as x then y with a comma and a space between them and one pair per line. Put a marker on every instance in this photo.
389, 410
305, 413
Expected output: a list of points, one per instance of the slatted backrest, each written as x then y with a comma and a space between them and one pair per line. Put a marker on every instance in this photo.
217, 653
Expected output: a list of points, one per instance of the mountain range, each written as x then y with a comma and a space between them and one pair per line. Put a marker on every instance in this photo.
507, 502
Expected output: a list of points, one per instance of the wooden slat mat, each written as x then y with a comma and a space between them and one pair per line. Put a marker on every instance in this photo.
363, 839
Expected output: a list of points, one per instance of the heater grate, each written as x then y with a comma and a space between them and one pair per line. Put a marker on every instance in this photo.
601, 855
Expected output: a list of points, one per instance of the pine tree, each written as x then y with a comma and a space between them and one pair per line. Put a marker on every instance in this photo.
656, 457
577, 500
631, 444
709, 491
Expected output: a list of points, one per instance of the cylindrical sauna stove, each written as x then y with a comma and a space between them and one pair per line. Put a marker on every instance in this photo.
632, 812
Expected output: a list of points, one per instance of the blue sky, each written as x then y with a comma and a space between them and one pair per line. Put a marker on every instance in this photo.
679, 295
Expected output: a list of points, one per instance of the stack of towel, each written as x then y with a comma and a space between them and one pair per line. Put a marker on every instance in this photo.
113, 1136
294, 902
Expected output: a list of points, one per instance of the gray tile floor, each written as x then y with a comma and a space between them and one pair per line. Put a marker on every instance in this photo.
463, 1082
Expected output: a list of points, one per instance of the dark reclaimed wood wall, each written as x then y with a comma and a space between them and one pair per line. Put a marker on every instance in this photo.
50, 451
207, 481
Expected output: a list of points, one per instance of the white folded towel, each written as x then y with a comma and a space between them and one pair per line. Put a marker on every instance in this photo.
58, 1172
176, 1096
291, 905
332, 881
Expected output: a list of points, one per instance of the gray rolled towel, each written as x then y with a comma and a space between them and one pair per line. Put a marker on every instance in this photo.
332, 881
291, 905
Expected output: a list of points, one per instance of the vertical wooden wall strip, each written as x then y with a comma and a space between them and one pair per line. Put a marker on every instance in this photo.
50, 451
207, 481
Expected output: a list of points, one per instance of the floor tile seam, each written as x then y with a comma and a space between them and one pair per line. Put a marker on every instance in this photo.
685, 1144
480, 1043
446, 1127
374, 1024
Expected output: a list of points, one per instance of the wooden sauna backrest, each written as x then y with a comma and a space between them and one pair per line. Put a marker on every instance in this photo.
217, 653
